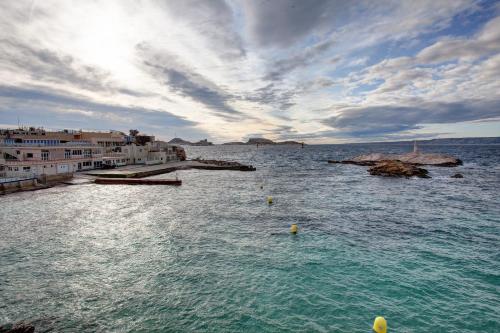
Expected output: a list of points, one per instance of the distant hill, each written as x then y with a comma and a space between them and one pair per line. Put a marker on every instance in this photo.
262, 141
181, 142
259, 141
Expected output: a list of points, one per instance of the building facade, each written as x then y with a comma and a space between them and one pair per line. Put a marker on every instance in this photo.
48, 159
39, 152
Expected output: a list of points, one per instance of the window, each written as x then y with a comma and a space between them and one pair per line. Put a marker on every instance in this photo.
77, 152
29, 155
87, 153
26, 168
67, 154
45, 155
87, 164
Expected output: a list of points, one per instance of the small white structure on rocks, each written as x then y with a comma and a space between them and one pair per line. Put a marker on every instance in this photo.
415, 147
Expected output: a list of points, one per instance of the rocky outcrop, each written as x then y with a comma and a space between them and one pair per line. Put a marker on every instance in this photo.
226, 165
457, 175
397, 169
415, 158
20, 327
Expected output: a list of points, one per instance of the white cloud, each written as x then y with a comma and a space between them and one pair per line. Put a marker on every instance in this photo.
231, 68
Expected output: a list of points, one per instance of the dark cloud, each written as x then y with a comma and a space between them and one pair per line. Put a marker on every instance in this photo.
382, 120
47, 65
35, 105
186, 82
215, 20
284, 22
281, 67
271, 95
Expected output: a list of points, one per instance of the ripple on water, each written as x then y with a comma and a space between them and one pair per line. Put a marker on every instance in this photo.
211, 255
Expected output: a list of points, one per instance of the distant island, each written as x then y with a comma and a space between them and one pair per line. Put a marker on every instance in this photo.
263, 141
181, 142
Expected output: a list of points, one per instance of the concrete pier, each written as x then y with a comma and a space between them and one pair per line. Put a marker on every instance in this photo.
131, 181
141, 171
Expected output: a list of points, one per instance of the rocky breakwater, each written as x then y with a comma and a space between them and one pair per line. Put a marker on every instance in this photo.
225, 165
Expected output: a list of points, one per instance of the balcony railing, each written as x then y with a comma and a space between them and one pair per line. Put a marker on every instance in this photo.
42, 161
12, 176
68, 144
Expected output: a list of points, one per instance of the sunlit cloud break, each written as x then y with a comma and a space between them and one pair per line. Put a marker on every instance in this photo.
317, 71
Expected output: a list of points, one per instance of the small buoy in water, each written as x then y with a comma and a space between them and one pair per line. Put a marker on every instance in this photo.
380, 325
294, 229
261, 187
269, 199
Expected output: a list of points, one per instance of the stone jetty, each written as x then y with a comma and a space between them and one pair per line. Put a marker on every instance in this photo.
133, 181
141, 171
223, 164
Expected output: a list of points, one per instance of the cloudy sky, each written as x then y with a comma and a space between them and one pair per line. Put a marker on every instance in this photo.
315, 71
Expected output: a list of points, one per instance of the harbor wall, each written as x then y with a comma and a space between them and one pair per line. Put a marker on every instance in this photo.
18, 185
50, 179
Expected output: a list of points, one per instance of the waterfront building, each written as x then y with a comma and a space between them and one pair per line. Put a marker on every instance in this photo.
38, 152
48, 159
156, 152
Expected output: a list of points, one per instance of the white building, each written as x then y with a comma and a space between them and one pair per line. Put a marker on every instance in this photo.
41, 159
38, 152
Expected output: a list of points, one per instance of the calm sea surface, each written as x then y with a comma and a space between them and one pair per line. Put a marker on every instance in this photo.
211, 255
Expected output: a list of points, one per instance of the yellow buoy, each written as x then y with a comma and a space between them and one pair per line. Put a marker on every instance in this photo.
269, 199
380, 325
294, 229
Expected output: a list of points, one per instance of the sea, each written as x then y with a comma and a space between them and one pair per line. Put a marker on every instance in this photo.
213, 256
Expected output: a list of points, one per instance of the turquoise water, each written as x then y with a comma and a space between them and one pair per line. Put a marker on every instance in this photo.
211, 255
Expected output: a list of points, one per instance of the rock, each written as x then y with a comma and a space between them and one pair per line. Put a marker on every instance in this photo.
415, 158
397, 169
457, 175
19, 327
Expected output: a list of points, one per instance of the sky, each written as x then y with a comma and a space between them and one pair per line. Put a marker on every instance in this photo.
315, 71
